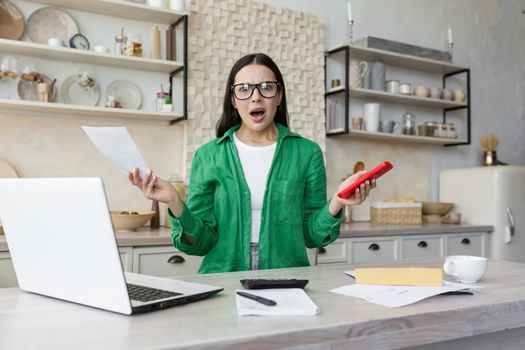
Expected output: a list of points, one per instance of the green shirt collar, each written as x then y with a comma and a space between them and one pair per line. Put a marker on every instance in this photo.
283, 132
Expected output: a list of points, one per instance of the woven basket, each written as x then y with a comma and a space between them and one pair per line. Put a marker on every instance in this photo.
395, 213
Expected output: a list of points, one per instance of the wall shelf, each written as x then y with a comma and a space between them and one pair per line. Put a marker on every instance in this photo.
62, 109
383, 96
404, 61
337, 123
84, 56
119, 8
396, 137
115, 8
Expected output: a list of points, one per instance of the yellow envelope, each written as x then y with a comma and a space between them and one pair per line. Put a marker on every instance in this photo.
411, 276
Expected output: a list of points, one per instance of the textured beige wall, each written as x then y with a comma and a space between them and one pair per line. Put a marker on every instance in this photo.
409, 178
223, 31
40, 146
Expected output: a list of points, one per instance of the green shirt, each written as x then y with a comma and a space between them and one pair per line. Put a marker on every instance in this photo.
218, 213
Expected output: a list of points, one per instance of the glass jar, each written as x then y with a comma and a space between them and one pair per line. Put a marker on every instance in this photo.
112, 102
409, 123
160, 101
120, 43
176, 181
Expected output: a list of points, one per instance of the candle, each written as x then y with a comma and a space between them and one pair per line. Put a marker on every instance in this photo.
349, 12
450, 35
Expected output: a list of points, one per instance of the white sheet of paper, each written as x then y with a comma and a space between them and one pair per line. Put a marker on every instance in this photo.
394, 296
116, 144
290, 302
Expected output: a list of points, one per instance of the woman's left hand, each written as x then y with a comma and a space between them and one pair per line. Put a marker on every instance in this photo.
359, 196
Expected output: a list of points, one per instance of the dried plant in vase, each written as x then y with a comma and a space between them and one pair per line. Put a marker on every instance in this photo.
488, 145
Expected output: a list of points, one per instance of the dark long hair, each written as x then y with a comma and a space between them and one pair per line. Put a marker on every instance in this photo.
230, 116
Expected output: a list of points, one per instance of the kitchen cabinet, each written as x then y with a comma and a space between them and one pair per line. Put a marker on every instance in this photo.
7, 272
164, 261
337, 118
121, 9
383, 248
126, 258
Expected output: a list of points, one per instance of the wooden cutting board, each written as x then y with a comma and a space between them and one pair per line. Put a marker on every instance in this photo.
6, 170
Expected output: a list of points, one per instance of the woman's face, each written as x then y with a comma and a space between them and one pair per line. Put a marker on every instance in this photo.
257, 111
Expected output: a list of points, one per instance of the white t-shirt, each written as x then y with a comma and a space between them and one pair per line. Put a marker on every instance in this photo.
255, 162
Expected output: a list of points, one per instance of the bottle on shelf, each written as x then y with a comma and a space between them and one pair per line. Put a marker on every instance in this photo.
155, 42
120, 43
409, 123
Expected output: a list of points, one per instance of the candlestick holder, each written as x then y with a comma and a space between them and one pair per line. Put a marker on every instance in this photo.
351, 32
451, 50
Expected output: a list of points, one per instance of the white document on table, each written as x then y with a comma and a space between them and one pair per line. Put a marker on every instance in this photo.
290, 302
395, 296
116, 144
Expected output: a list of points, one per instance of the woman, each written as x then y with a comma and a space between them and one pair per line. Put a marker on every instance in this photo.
257, 193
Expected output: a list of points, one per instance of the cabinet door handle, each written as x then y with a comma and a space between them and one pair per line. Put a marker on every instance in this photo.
176, 259
465, 241
373, 247
422, 244
322, 250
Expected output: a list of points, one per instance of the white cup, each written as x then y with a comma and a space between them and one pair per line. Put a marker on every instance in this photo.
157, 3
55, 42
100, 49
465, 268
177, 5
371, 112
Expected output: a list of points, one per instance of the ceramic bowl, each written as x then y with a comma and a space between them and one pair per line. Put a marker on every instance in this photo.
130, 221
436, 208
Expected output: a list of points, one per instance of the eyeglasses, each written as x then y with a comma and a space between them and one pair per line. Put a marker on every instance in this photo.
267, 89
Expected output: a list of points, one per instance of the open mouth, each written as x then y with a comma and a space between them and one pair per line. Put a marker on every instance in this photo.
257, 113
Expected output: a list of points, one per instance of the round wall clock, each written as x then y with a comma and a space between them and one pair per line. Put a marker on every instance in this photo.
78, 41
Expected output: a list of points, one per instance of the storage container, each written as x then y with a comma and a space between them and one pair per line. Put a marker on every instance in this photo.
395, 213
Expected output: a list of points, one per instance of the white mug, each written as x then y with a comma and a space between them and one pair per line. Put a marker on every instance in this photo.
157, 3
100, 49
55, 42
371, 112
177, 5
465, 268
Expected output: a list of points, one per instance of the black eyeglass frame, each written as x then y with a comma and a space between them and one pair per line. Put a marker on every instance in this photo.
258, 87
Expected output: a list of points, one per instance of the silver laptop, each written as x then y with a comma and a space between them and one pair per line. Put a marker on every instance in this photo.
62, 245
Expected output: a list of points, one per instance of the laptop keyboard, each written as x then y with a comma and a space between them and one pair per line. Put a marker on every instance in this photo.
145, 294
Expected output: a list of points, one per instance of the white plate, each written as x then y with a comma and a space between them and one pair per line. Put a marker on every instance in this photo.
127, 93
73, 93
50, 22
27, 89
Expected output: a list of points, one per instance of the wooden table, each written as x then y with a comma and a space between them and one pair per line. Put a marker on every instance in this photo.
33, 321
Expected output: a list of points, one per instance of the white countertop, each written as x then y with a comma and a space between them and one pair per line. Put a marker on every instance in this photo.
28, 320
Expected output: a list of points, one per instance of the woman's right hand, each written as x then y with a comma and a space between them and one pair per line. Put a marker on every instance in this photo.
155, 188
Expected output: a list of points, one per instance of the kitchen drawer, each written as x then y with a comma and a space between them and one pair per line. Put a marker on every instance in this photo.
126, 258
164, 261
421, 246
466, 244
7, 271
334, 252
370, 250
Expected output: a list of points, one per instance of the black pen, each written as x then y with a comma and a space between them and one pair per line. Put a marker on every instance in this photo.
267, 302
